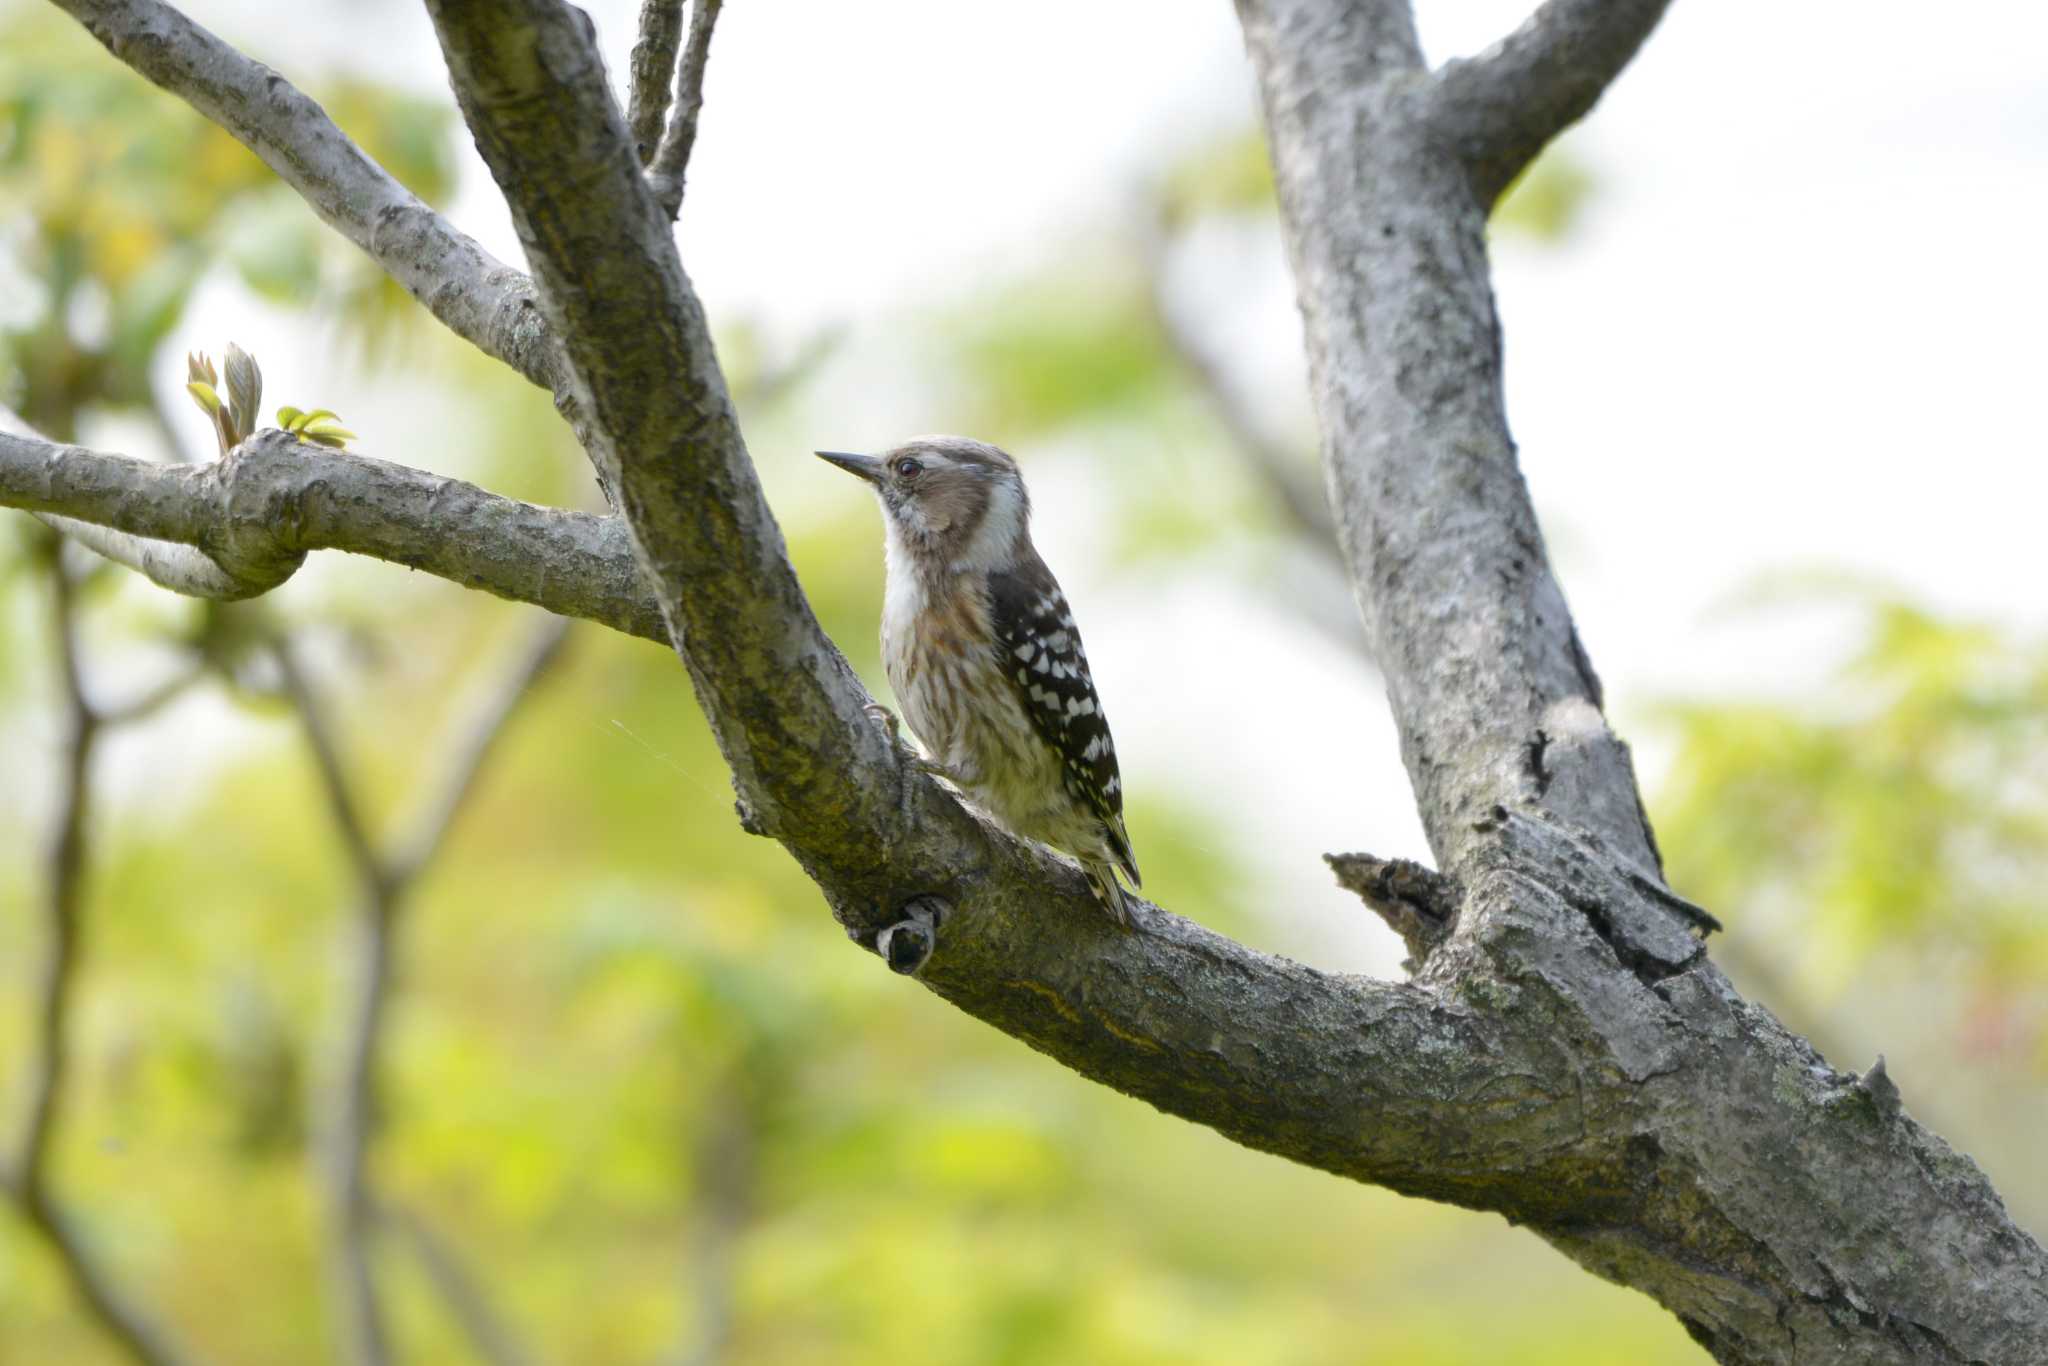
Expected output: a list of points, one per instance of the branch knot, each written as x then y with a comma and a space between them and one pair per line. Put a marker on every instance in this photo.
1418, 903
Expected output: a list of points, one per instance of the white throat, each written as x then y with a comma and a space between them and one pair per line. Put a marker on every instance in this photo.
903, 594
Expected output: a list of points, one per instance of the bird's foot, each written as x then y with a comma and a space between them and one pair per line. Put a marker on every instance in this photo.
879, 713
907, 945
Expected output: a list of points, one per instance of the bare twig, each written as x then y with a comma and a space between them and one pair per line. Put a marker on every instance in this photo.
1279, 469
479, 734
343, 805
259, 511
120, 1319
652, 73
478, 297
771, 384
488, 1333
1497, 110
1276, 467
727, 1151
152, 700
1283, 473
360, 1311
672, 158
383, 884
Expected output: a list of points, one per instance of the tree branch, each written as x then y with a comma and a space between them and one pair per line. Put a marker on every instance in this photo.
1265, 1050
478, 297
183, 569
783, 704
1499, 109
180, 568
1283, 472
727, 1161
258, 512
1729, 1171
672, 159
384, 884
121, 1320
361, 1324
475, 737
1495, 699
490, 1336
653, 73
1568, 1055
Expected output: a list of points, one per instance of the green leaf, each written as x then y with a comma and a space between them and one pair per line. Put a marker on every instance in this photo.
203, 394
328, 434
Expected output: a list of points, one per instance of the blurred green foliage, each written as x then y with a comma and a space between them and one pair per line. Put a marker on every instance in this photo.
633, 1075
116, 201
1900, 816
1233, 175
1093, 340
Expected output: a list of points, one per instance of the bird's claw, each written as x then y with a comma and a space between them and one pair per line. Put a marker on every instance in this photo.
907, 945
887, 719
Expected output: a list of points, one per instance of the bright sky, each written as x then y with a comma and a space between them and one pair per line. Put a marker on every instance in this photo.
1801, 327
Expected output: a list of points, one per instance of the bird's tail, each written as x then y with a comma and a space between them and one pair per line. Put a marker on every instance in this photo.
1108, 891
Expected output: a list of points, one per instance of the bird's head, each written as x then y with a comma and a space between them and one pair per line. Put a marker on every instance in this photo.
949, 501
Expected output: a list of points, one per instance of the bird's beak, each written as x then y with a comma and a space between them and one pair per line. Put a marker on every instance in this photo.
867, 467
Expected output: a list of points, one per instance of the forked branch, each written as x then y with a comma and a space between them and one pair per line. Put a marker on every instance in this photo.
384, 883
652, 73
54, 1026
1499, 109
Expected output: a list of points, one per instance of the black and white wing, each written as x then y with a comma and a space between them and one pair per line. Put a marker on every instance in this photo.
1042, 657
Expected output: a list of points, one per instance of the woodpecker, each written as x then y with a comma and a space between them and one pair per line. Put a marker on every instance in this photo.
981, 648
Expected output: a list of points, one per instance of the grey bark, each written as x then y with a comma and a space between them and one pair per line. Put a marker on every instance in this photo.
672, 158
252, 517
1567, 1055
1784, 1210
475, 295
652, 73
181, 568
1497, 110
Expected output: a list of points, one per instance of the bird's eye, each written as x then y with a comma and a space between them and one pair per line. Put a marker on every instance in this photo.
908, 469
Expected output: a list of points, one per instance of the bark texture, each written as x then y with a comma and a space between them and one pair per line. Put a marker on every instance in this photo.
1566, 1054
238, 527
1784, 1210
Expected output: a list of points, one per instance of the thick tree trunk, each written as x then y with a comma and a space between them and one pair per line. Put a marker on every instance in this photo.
1785, 1211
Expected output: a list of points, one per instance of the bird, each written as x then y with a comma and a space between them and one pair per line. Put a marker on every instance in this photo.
981, 649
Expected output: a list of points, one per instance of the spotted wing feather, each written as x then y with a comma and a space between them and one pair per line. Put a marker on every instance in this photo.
1042, 657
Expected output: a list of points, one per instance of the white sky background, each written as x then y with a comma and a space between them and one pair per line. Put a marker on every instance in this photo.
1800, 326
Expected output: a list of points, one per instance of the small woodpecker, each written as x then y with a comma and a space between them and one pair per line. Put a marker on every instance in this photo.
982, 651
